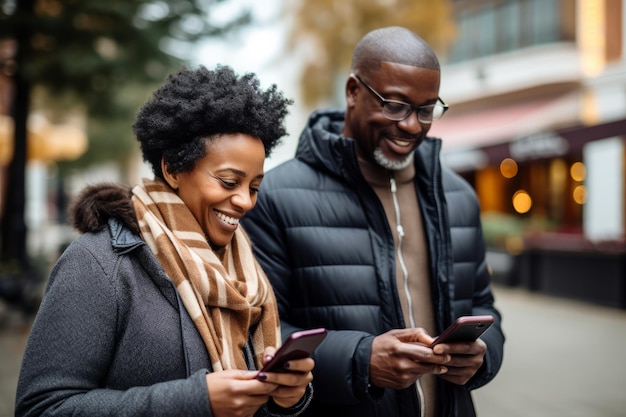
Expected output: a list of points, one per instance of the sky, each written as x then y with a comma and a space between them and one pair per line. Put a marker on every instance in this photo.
258, 49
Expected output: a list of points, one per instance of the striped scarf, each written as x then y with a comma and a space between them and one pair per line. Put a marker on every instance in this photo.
225, 298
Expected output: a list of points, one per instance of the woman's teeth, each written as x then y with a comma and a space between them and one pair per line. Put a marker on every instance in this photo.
227, 219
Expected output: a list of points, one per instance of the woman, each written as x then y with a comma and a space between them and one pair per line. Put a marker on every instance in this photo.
159, 308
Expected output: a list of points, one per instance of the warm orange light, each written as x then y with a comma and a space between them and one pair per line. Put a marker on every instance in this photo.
6, 140
46, 142
522, 202
591, 36
57, 143
580, 194
508, 168
578, 171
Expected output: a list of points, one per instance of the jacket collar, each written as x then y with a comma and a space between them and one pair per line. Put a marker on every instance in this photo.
322, 146
123, 239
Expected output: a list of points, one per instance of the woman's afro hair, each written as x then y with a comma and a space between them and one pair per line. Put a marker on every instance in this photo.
193, 106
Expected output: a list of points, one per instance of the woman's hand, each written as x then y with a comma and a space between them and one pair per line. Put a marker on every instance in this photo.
237, 393
290, 386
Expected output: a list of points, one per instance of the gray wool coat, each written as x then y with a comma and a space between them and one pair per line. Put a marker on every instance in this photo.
112, 337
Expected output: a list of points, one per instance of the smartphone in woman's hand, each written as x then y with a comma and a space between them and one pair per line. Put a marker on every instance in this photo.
299, 345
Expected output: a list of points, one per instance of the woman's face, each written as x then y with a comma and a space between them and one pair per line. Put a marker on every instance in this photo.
223, 185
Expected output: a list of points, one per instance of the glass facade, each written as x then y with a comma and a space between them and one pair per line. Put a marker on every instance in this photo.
493, 27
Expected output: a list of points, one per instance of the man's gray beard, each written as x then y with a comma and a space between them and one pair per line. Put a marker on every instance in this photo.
387, 163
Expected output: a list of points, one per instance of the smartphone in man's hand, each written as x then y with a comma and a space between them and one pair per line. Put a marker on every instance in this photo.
464, 329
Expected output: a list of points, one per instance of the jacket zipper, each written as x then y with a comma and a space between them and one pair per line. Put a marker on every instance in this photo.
405, 274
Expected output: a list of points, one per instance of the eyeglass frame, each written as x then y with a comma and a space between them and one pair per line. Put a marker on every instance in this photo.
413, 108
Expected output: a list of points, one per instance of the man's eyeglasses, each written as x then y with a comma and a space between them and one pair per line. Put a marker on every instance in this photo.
398, 110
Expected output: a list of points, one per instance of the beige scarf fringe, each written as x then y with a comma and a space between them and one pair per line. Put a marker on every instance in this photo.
225, 299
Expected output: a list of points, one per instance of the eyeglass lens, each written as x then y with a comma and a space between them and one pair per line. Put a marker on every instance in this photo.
400, 111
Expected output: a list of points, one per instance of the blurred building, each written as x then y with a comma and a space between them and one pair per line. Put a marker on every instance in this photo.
537, 124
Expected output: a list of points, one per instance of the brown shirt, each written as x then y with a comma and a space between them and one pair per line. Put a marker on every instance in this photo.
414, 253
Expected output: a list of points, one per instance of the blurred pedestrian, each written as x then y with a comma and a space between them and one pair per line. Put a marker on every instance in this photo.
159, 308
365, 233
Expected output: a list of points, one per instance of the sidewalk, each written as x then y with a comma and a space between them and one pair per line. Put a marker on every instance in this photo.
562, 359
13, 334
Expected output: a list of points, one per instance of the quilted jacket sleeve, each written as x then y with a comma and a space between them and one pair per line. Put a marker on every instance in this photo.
472, 290
341, 371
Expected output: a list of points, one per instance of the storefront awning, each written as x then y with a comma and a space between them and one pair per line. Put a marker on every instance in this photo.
476, 137
471, 129
548, 144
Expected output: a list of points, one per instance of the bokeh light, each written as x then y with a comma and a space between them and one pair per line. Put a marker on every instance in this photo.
522, 203
578, 171
580, 194
508, 168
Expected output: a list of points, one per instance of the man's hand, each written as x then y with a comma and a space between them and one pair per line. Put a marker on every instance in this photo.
401, 356
467, 358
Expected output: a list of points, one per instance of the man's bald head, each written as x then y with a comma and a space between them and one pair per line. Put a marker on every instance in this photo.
392, 44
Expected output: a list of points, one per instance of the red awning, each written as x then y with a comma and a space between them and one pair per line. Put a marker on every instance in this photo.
488, 126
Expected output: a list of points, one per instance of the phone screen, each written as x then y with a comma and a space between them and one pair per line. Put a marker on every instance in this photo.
465, 329
299, 345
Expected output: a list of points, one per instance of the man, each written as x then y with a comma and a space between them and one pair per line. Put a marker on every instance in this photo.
366, 234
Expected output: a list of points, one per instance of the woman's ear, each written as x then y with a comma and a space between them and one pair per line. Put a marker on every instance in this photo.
171, 179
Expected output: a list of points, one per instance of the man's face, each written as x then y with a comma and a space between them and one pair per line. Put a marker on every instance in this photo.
386, 142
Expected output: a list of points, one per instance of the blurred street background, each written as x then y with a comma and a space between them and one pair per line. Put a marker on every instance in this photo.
537, 125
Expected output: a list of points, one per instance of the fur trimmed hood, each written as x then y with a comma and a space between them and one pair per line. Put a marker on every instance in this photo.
96, 204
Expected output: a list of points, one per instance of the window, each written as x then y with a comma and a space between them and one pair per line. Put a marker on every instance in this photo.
493, 26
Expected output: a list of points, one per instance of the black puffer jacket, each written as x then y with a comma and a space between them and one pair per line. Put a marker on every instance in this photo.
323, 239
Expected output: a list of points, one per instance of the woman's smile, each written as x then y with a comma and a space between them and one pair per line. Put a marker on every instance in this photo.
232, 221
222, 186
